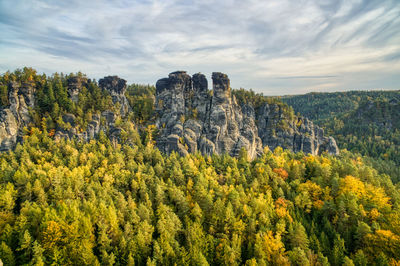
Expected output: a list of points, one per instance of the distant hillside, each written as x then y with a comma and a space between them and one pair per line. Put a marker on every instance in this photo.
367, 122
320, 106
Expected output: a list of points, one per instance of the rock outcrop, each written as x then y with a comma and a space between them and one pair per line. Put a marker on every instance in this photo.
191, 118
276, 127
16, 116
21, 98
8, 129
93, 129
75, 85
91, 132
117, 88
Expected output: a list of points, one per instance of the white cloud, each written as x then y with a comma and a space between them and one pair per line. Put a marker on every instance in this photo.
277, 47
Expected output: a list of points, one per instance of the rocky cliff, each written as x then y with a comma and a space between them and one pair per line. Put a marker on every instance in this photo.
277, 127
21, 97
113, 85
16, 116
75, 85
117, 88
192, 118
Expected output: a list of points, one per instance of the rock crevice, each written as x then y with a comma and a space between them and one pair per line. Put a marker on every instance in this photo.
16, 115
21, 98
192, 118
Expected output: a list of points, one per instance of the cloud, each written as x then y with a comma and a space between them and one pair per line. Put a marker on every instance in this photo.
275, 47
306, 77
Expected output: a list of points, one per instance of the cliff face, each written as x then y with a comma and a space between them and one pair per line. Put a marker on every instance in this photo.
277, 128
117, 88
16, 116
22, 97
75, 85
191, 118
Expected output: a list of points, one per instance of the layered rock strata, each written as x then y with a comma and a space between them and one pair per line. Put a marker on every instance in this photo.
21, 99
117, 88
192, 118
16, 115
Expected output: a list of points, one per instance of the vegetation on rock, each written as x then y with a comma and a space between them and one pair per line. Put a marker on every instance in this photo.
70, 202
365, 122
115, 199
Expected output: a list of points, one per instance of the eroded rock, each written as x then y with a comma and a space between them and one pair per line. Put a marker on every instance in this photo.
191, 118
117, 88
14, 118
277, 128
75, 85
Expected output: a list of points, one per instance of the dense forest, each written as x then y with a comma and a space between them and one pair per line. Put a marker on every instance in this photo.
68, 202
321, 106
365, 122
105, 202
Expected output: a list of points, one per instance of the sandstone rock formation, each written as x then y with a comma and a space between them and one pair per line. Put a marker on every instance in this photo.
277, 128
21, 98
191, 118
16, 116
93, 128
117, 88
75, 85
8, 129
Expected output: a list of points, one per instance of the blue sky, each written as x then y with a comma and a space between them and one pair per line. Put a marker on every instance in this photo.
275, 47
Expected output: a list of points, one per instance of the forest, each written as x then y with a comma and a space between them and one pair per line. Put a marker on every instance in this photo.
68, 202
102, 202
365, 122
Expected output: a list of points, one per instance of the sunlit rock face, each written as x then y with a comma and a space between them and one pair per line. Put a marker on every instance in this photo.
192, 118
16, 115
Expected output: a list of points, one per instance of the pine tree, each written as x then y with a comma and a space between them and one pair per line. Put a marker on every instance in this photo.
298, 236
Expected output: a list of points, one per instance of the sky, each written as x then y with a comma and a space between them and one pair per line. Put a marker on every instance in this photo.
274, 47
